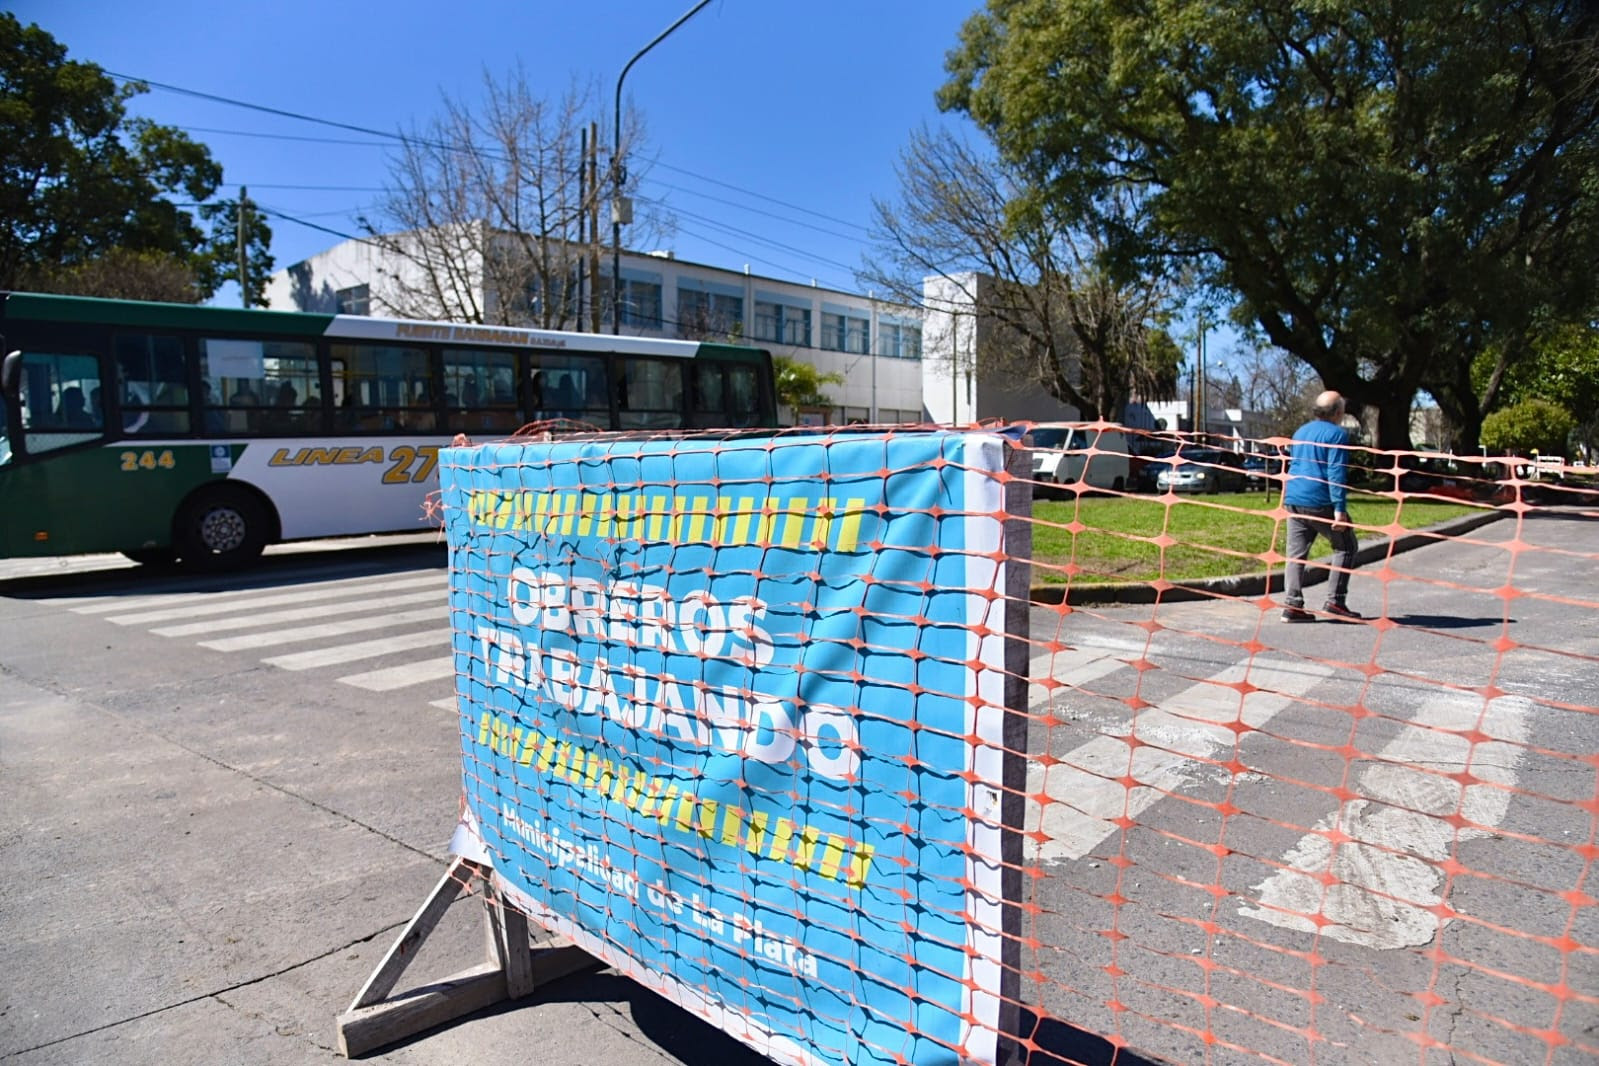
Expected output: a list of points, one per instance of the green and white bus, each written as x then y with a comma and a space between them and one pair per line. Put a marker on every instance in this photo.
167, 431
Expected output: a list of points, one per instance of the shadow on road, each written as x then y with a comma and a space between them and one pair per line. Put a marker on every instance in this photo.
1447, 621
1061, 1044
623, 1004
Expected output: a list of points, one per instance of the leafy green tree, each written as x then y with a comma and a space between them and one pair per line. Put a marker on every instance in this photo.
1385, 189
1563, 368
1529, 426
78, 177
799, 384
221, 261
123, 275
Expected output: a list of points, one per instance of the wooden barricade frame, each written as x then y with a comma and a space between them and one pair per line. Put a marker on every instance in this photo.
511, 970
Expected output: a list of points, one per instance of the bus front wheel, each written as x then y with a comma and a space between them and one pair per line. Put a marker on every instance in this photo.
221, 529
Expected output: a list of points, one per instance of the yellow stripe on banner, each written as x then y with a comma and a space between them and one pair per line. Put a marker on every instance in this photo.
660, 511
849, 527
794, 522
676, 807
822, 527
727, 521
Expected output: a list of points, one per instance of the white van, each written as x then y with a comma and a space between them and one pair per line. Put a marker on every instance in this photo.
1079, 456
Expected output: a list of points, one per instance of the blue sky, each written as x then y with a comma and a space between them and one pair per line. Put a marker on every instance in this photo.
774, 124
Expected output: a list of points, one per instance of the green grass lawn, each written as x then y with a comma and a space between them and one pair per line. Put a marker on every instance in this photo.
1103, 539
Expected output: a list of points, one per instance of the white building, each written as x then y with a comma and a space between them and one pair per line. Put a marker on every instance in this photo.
1239, 425
959, 388
877, 347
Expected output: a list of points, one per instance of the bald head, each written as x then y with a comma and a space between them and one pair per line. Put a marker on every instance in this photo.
1329, 406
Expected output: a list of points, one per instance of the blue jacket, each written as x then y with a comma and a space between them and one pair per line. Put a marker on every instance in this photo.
1318, 475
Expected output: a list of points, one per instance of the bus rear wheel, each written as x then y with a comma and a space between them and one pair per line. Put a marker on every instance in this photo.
221, 529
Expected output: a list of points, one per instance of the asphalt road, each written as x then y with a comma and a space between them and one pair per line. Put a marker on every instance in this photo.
223, 797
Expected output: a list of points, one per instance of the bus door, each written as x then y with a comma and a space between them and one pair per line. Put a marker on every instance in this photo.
54, 416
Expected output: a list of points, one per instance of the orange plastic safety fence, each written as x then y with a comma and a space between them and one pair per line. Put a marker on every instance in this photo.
905, 745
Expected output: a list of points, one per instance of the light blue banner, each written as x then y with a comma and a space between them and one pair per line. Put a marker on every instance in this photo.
727, 722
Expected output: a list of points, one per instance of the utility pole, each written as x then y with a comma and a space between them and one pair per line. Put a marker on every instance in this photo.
619, 172
244, 259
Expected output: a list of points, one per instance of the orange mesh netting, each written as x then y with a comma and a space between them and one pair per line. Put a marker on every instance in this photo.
900, 745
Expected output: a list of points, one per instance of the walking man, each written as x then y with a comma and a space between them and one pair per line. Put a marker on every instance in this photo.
1317, 499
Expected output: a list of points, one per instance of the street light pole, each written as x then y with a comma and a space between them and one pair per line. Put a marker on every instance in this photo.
619, 175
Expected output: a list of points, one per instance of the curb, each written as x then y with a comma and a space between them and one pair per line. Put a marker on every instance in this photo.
1235, 586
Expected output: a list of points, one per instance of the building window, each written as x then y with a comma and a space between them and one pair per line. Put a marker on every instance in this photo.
560, 306
356, 300
899, 342
782, 324
709, 314
641, 304
845, 333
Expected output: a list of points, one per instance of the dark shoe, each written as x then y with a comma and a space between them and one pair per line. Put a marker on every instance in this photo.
1297, 614
1338, 610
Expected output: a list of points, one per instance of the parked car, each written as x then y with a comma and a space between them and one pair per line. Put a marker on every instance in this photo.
1203, 470
1147, 463
1262, 470
1078, 456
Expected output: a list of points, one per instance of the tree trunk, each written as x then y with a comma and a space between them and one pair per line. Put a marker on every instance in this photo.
1393, 425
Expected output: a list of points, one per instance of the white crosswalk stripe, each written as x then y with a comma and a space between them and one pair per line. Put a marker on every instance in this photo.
387, 680
231, 604
366, 649
1086, 787
330, 630
298, 614
1379, 886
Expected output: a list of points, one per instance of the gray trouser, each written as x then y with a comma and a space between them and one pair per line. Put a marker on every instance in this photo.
1305, 524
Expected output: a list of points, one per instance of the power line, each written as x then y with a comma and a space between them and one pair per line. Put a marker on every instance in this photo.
762, 196
752, 210
284, 137
735, 231
402, 138
406, 140
309, 188
214, 98
275, 213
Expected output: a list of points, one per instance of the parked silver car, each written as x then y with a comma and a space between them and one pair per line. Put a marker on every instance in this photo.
1203, 470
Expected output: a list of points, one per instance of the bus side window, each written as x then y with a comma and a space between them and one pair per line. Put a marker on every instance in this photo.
153, 376
744, 396
708, 408
61, 400
654, 397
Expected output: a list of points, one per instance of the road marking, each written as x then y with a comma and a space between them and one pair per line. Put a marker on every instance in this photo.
366, 649
296, 634
395, 677
1383, 881
228, 604
108, 604
251, 621
444, 704
1072, 667
1086, 785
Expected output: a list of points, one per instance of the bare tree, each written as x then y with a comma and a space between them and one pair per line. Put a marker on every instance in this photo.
1059, 316
1277, 387
493, 215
